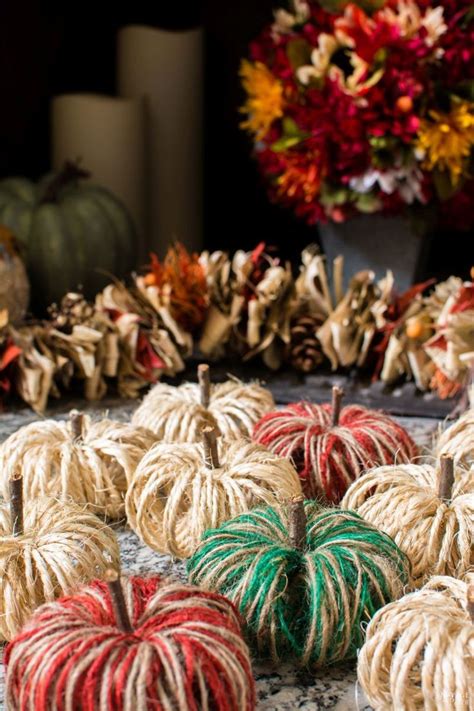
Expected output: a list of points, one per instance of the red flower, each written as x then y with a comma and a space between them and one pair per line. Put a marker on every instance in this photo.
369, 35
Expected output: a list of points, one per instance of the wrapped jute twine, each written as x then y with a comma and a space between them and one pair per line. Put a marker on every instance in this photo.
178, 414
304, 578
79, 460
428, 511
331, 445
180, 490
458, 440
419, 651
131, 644
46, 549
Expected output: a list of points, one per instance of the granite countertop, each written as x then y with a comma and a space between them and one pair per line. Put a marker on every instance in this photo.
278, 689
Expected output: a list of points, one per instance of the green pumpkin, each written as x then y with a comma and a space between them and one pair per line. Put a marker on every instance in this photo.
75, 234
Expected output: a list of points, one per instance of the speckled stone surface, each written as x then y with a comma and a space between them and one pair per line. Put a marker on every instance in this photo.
281, 689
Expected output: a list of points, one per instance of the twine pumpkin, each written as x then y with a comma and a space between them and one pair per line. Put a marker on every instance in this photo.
428, 511
180, 490
419, 651
330, 447
46, 550
458, 440
153, 644
304, 579
80, 460
178, 414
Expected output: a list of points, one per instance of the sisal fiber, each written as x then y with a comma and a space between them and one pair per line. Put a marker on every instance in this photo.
419, 651
184, 652
92, 468
176, 414
435, 531
327, 456
61, 546
458, 440
175, 496
306, 604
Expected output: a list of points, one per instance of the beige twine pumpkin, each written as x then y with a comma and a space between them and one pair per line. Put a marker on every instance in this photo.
419, 651
176, 414
458, 440
435, 531
175, 496
61, 546
92, 468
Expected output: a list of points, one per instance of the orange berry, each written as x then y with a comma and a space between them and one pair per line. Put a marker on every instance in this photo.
149, 279
414, 329
472, 273
404, 104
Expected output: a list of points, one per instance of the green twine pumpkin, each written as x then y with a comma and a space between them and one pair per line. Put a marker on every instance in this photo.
74, 233
307, 604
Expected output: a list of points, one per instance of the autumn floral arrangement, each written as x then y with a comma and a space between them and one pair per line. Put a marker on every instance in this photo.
367, 107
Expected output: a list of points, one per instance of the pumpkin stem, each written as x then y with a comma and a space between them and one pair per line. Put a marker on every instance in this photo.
211, 456
337, 395
16, 503
71, 172
446, 479
297, 523
122, 618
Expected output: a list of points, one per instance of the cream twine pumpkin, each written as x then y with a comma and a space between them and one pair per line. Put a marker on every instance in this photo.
178, 414
46, 551
80, 460
179, 490
458, 440
428, 511
419, 651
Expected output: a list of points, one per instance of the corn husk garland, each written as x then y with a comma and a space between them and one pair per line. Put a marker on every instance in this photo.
251, 303
246, 306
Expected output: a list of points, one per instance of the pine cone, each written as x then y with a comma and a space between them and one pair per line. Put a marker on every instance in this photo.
73, 310
304, 350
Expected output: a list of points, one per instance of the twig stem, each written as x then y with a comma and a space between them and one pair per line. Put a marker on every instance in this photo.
446, 480
297, 523
337, 395
204, 379
211, 455
16, 504
112, 578
76, 420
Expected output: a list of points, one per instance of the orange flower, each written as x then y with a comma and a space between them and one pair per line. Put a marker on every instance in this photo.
182, 276
265, 98
300, 180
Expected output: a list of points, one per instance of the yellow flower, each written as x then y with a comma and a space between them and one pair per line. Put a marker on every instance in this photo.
265, 98
446, 140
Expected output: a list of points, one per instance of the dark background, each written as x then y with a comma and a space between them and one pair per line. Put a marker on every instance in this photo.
49, 47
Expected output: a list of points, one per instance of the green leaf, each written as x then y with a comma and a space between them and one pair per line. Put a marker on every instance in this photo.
291, 128
367, 202
333, 196
285, 142
292, 135
299, 52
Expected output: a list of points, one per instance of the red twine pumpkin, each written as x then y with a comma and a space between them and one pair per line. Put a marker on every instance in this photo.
183, 650
331, 450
